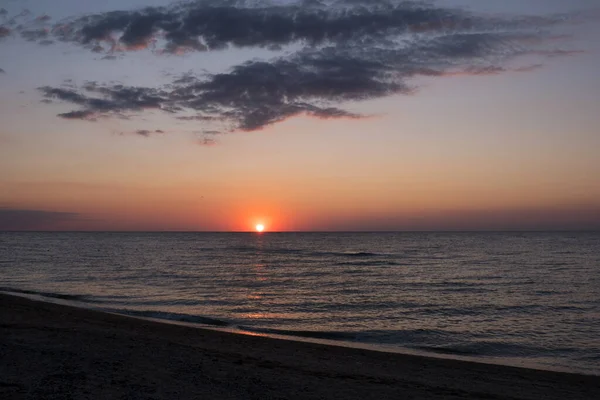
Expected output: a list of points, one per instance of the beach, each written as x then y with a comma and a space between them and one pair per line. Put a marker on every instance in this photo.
50, 351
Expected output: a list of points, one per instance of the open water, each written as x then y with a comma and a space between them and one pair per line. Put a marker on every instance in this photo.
529, 299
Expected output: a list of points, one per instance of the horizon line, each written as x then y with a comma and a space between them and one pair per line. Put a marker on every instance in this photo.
314, 231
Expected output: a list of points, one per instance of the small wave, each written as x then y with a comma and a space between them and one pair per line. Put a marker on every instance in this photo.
488, 310
169, 316
447, 350
367, 263
594, 357
61, 296
243, 249
485, 348
361, 254
550, 292
304, 252
469, 289
305, 334
141, 303
297, 251
284, 251
266, 250
349, 254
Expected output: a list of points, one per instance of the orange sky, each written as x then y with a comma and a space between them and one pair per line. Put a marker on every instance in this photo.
386, 187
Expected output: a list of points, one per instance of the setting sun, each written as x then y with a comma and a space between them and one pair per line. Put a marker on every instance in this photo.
260, 227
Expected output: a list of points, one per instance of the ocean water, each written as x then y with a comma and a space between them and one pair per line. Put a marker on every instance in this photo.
529, 299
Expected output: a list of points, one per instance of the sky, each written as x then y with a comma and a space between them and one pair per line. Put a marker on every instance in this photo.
310, 115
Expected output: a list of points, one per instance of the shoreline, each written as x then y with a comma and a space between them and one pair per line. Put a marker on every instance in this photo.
71, 301
50, 350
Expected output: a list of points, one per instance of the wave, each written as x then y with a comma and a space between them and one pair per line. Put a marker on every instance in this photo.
331, 335
360, 254
259, 249
488, 349
432, 341
446, 350
298, 251
180, 317
61, 296
373, 263
351, 254
210, 321
170, 316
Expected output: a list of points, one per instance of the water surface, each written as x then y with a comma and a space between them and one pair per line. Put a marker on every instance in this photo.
518, 298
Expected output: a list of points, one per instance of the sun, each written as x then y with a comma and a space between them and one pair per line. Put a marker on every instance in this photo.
259, 227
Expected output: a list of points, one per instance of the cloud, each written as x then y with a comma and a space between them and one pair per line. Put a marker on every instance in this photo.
2, 71
216, 24
43, 18
4, 32
558, 53
115, 99
36, 35
490, 70
82, 114
143, 132
528, 68
207, 142
147, 133
20, 219
350, 51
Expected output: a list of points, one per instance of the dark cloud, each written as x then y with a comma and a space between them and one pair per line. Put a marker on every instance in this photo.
82, 114
63, 94
35, 35
43, 18
143, 132
147, 132
217, 24
115, 99
314, 82
352, 51
19, 219
2, 71
19, 21
4, 32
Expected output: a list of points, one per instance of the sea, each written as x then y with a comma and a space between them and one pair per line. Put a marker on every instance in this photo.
517, 298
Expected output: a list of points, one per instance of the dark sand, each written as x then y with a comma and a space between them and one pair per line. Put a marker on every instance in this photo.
49, 351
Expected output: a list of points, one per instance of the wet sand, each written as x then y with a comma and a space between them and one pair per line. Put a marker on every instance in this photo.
50, 351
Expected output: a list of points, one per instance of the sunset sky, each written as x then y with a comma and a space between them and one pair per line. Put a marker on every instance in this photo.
310, 115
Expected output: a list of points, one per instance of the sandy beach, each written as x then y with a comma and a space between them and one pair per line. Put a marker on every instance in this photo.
50, 351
